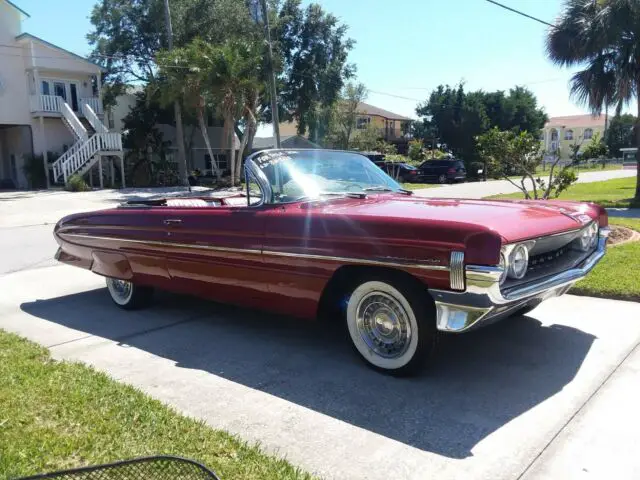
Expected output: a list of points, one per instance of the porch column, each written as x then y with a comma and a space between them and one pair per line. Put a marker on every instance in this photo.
99, 86
124, 185
45, 155
36, 80
100, 170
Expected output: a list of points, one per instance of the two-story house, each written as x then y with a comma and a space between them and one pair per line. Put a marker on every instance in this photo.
390, 126
50, 105
562, 132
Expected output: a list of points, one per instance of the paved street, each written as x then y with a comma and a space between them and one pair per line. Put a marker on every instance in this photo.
550, 395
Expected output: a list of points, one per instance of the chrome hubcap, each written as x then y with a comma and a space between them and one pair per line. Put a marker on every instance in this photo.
121, 289
383, 324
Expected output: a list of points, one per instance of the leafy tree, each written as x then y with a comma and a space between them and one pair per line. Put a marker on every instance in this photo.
415, 150
365, 140
313, 49
455, 117
596, 148
508, 153
620, 133
343, 118
602, 38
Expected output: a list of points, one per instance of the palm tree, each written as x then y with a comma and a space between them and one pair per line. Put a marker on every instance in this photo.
602, 36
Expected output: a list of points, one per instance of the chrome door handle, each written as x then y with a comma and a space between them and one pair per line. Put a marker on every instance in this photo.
172, 221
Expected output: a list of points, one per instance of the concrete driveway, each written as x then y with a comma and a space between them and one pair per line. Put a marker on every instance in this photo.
549, 395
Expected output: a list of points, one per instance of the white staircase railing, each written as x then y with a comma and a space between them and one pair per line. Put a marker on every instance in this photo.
72, 121
82, 153
94, 103
93, 119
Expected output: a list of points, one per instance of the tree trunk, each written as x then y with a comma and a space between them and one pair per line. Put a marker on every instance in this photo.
249, 133
205, 136
232, 152
637, 197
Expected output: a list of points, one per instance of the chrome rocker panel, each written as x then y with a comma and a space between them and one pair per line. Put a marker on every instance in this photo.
483, 302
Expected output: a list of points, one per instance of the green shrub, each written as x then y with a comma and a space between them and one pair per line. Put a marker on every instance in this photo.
33, 169
415, 150
76, 183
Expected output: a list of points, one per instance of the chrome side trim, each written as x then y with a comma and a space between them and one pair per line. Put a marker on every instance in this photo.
456, 265
391, 262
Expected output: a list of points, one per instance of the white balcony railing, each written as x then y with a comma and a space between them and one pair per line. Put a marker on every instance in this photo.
94, 102
46, 103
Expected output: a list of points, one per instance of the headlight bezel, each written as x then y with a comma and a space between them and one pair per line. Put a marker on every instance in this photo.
523, 250
507, 260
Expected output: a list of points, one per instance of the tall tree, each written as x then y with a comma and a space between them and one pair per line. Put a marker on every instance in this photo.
602, 38
455, 117
313, 48
343, 119
620, 133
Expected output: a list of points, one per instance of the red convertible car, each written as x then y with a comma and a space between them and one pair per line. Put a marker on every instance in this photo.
321, 231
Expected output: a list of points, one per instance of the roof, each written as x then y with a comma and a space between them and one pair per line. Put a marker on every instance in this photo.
371, 110
48, 44
11, 4
261, 143
573, 121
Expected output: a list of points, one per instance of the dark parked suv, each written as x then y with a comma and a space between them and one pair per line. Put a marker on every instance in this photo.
442, 171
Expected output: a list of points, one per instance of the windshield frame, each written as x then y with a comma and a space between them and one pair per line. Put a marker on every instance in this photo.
251, 168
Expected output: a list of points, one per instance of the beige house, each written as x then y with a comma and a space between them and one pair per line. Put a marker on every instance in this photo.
391, 127
562, 132
50, 101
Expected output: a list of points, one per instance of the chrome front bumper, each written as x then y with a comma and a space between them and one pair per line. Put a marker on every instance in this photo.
483, 302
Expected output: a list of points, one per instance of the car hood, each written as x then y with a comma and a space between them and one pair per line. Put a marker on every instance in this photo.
513, 220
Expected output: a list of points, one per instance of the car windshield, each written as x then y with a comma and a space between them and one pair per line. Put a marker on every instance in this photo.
309, 174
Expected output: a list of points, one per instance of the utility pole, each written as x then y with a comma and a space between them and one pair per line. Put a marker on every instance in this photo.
177, 110
272, 78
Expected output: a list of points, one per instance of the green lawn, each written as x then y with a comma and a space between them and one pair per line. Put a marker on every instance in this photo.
618, 192
418, 186
616, 276
56, 415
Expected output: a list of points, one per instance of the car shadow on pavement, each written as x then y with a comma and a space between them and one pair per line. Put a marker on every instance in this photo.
479, 382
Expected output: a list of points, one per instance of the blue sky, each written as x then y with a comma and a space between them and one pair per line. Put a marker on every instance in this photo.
404, 47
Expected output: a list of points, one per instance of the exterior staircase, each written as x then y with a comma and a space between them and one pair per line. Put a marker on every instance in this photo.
93, 141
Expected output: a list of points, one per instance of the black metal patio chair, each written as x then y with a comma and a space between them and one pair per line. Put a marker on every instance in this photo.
147, 468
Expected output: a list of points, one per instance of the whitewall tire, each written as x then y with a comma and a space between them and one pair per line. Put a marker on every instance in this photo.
390, 326
128, 295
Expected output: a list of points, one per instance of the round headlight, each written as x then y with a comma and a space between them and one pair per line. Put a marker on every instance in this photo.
588, 238
503, 266
518, 261
594, 234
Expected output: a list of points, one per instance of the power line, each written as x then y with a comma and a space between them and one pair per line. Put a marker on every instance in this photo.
518, 12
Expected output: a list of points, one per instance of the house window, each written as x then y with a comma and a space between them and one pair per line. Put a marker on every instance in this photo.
554, 135
111, 120
363, 122
45, 88
60, 90
588, 133
221, 159
568, 135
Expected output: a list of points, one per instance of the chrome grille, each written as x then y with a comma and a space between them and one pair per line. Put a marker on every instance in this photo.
456, 265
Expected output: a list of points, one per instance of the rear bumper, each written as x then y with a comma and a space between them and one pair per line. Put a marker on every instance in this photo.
483, 302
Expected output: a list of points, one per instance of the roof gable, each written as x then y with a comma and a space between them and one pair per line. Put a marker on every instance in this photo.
11, 4
365, 108
28, 36
576, 121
